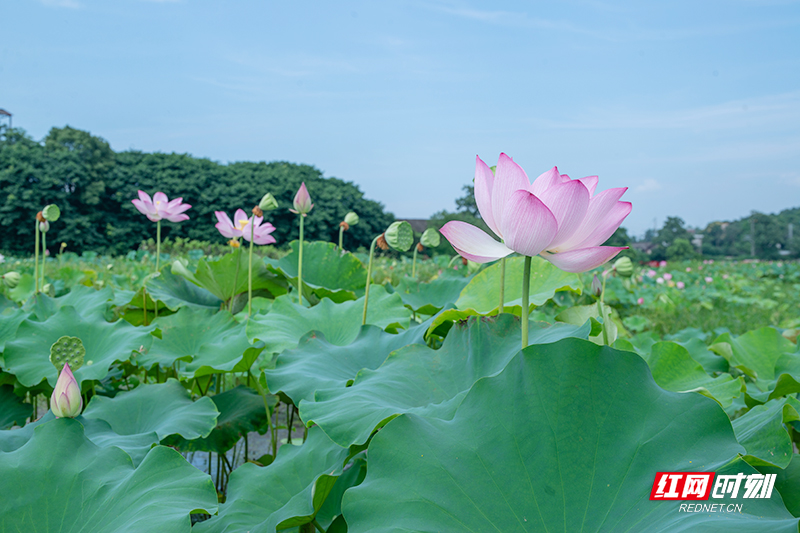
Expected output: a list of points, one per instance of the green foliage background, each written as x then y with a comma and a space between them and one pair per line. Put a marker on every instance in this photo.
94, 186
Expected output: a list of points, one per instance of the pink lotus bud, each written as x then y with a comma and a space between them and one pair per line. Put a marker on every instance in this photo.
681, 285
302, 201
662, 264
66, 401
688, 269
667, 276
640, 301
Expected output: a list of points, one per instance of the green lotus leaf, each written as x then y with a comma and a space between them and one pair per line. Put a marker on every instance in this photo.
674, 370
97, 490
175, 292
417, 379
761, 432
28, 356
224, 277
287, 493
576, 446
163, 408
430, 298
13, 410
787, 482
24, 289
88, 302
10, 319
286, 323
318, 364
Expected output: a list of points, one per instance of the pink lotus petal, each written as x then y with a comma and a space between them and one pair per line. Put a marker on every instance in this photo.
484, 182
240, 220
545, 181
302, 200
583, 259
473, 243
145, 199
603, 217
160, 199
509, 177
141, 206
177, 218
528, 225
569, 202
590, 182
225, 226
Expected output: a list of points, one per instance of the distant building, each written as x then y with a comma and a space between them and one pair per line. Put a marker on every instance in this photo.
6, 114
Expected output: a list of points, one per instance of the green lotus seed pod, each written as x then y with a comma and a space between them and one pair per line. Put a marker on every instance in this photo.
351, 218
51, 212
624, 267
11, 279
400, 236
430, 238
268, 202
68, 350
49, 290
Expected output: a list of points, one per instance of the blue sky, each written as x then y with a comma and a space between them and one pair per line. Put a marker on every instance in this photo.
693, 105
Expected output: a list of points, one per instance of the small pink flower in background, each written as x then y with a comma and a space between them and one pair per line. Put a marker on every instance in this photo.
662, 264
302, 201
651, 273
681, 285
160, 207
725, 276
699, 267
667, 276
66, 401
688, 269
640, 301
559, 218
709, 279
660, 281
240, 227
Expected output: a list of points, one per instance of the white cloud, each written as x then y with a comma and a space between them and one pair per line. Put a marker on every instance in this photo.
648, 185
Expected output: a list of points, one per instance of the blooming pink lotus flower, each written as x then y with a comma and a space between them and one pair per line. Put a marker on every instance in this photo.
556, 217
161, 207
240, 227
302, 201
709, 279
651, 273
662, 263
667, 276
66, 401
681, 285
660, 280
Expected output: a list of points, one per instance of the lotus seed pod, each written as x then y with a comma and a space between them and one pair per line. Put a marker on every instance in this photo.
11, 279
624, 267
597, 287
44, 227
268, 202
66, 401
430, 238
400, 236
51, 212
351, 218
67, 350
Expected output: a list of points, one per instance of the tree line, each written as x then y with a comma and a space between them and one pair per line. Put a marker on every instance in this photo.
94, 185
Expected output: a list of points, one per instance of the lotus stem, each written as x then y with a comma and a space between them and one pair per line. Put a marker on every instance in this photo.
36, 256
250, 268
263, 394
238, 253
502, 286
317, 525
526, 287
300, 265
158, 244
44, 255
601, 308
341, 234
369, 279
414, 264
453, 260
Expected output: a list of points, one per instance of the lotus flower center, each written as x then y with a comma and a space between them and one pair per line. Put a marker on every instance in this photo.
243, 224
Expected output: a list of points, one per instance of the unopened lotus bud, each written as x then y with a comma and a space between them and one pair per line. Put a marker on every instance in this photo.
257, 211
63, 245
381, 242
351, 218
302, 201
624, 267
430, 238
11, 279
268, 202
66, 401
44, 227
400, 236
51, 212
597, 287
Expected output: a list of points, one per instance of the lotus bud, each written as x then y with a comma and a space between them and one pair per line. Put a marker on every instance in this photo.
66, 401
597, 287
51, 212
268, 202
624, 267
11, 279
400, 236
44, 227
351, 218
430, 238
302, 201
63, 246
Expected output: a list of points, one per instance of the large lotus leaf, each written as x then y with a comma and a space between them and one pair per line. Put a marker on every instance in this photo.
224, 278
10, 319
417, 379
787, 482
575, 447
28, 356
579, 314
756, 353
318, 364
286, 323
24, 289
761, 432
90, 303
324, 267
241, 410
60, 481
175, 291
13, 410
698, 350
287, 493
163, 408
481, 295
430, 298
674, 370
208, 341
